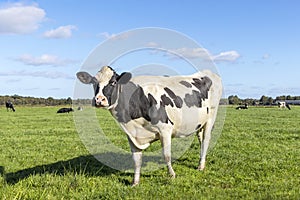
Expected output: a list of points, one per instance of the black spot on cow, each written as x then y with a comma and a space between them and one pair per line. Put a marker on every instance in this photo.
165, 101
124, 94
198, 127
152, 100
157, 114
65, 110
139, 105
133, 104
196, 98
186, 84
207, 109
193, 99
177, 100
96, 90
203, 85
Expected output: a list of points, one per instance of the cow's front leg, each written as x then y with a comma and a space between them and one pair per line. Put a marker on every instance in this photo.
166, 150
137, 158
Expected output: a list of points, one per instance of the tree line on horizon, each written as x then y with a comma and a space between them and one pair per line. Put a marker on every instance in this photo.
264, 100
50, 101
21, 100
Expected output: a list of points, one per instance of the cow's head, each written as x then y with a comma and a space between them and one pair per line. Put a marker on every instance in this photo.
104, 83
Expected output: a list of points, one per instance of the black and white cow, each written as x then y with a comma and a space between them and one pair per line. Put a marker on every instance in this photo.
242, 107
283, 104
151, 108
9, 105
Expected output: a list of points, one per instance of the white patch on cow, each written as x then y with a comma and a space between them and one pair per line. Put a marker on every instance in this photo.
140, 132
103, 77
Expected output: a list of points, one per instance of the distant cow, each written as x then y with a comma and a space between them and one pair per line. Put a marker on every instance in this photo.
151, 108
242, 107
65, 110
9, 105
283, 104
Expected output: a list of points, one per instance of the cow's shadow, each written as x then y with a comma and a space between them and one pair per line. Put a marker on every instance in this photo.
87, 165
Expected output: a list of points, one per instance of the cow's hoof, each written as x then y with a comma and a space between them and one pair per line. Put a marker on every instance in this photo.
134, 184
201, 167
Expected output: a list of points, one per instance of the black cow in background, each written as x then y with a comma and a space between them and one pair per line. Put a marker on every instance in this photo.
9, 105
65, 110
242, 107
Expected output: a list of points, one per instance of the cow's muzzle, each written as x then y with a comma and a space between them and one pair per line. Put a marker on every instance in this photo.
101, 101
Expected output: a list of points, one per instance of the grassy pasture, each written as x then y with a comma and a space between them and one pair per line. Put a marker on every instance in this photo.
256, 157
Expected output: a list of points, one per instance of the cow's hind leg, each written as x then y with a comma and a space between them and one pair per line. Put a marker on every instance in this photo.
204, 136
166, 150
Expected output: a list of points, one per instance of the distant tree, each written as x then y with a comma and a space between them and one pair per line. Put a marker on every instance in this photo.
264, 100
50, 101
270, 101
234, 100
15, 96
289, 97
280, 98
249, 101
69, 100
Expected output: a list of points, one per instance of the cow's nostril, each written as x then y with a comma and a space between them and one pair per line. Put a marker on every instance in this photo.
100, 99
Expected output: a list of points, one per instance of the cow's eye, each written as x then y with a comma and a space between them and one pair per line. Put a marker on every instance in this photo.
96, 88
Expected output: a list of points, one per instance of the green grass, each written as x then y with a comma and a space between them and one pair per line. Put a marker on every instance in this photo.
256, 157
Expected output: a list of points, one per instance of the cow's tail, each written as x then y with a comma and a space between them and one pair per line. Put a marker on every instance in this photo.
13, 109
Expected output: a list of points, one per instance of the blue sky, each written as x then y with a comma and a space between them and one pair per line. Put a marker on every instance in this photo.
254, 44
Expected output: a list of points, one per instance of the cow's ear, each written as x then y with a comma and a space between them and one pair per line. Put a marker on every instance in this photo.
85, 78
124, 78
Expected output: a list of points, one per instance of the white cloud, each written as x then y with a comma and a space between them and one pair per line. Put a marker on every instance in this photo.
45, 59
152, 44
17, 18
227, 56
113, 36
60, 32
265, 56
106, 35
193, 53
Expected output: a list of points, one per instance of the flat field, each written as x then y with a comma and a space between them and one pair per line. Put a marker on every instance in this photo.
257, 156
